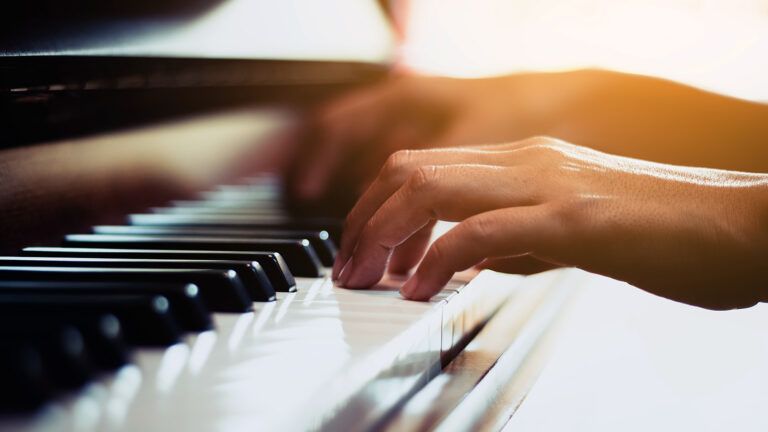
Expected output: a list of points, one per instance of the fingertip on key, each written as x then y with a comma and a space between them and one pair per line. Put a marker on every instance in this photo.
361, 276
344, 273
409, 287
418, 289
338, 266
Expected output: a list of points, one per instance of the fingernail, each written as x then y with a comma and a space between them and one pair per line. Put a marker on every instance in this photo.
335, 268
345, 272
338, 266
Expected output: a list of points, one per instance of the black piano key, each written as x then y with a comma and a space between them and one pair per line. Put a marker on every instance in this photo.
25, 384
222, 290
101, 333
332, 225
62, 349
146, 320
185, 299
250, 273
320, 240
104, 339
273, 263
299, 254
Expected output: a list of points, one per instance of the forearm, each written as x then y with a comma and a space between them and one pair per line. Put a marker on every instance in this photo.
662, 121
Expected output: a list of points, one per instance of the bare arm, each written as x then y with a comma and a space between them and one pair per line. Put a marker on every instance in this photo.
659, 120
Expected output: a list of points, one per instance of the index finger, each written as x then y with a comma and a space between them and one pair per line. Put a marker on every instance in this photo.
399, 167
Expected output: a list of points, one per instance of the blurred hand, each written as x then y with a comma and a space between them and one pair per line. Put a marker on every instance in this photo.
694, 235
628, 115
356, 133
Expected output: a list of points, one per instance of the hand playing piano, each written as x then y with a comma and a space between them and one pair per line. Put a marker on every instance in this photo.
628, 115
693, 235
353, 135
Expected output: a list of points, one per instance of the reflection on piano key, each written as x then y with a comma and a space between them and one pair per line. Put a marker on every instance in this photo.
262, 316
122, 388
238, 331
86, 413
173, 362
201, 349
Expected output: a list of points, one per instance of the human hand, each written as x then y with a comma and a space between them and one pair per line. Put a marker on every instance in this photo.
353, 136
623, 114
693, 235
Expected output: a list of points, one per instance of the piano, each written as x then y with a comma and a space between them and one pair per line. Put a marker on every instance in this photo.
155, 274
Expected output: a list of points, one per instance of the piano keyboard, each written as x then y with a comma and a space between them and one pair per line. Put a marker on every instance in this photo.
218, 314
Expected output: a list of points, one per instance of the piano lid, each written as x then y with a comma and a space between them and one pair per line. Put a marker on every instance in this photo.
328, 30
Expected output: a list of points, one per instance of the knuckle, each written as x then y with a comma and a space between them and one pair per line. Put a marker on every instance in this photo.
438, 251
480, 229
549, 158
538, 139
548, 151
573, 213
369, 226
541, 141
367, 231
423, 179
541, 151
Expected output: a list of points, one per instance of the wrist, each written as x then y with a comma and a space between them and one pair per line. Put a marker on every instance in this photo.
759, 202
